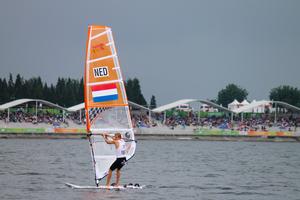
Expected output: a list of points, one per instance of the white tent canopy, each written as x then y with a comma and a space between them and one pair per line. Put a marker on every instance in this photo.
235, 102
259, 106
187, 101
76, 107
245, 102
23, 101
234, 105
254, 105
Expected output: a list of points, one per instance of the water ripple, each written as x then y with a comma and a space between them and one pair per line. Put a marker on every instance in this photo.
175, 169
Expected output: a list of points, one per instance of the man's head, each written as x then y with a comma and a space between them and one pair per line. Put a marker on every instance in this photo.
118, 136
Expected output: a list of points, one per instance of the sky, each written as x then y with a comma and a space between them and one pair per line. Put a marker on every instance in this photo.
177, 49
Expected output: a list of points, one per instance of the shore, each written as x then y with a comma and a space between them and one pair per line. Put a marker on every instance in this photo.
155, 133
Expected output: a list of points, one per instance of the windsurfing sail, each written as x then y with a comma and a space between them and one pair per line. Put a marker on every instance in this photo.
106, 103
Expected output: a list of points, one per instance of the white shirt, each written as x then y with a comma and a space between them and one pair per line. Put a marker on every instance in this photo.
121, 150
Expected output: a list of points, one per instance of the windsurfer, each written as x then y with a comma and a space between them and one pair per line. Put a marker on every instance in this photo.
120, 154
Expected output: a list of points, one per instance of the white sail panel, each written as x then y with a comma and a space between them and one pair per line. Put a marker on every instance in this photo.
104, 155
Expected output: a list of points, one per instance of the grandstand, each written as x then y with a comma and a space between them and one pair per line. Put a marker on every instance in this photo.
37, 113
44, 116
242, 119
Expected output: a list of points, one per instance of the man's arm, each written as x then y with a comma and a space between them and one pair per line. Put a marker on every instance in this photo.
105, 136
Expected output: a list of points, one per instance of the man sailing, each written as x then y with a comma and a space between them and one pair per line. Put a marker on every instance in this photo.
120, 154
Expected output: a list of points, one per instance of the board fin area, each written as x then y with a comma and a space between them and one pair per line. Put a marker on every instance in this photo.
121, 187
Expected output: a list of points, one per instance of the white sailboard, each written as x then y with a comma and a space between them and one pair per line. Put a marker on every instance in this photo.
106, 103
122, 187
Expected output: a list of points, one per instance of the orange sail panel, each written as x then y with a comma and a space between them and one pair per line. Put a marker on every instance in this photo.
104, 85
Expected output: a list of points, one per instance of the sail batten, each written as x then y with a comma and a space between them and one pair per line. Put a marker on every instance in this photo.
99, 35
102, 58
106, 102
104, 82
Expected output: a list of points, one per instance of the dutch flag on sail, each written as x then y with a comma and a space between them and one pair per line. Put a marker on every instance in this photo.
104, 92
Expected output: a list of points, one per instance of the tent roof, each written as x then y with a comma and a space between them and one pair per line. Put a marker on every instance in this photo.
137, 105
81, 106
245, 102
251, 106
22, 101
235, 102
76, 107
289, 106
186, 101
255, 104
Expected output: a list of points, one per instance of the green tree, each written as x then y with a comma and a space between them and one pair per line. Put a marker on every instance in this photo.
19, 87
48, 93
4, 91
52, 93
66, 92
33, 88
286, 94
152, 102
37, 88
11, 88
231, 92
1, 89
69, 96
28, 89
60, 91
129, 86
134, 92
80, 89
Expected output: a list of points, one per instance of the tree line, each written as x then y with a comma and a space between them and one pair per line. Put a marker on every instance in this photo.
66, 92
285, 93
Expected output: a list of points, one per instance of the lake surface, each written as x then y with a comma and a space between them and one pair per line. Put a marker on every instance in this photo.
171, 169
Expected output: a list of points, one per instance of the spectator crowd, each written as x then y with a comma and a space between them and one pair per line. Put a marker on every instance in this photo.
263, 122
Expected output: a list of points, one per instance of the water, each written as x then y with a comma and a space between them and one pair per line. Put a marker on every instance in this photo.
172, 169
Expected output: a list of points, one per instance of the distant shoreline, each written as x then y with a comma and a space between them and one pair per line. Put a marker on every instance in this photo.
157, 136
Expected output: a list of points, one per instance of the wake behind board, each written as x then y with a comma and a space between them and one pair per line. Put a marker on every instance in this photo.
73, 186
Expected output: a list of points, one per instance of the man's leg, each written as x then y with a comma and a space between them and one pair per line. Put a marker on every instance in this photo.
118, 177
108, 177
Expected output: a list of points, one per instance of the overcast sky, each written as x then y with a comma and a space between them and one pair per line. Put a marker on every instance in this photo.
177, 49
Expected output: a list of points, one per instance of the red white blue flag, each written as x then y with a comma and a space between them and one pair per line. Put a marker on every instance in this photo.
104, 92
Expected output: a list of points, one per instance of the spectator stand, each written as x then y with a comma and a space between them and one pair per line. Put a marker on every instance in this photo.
32, 110
163, 109
273, 116
269, 107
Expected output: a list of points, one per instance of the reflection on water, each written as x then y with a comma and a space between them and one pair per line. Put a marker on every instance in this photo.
174, 169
